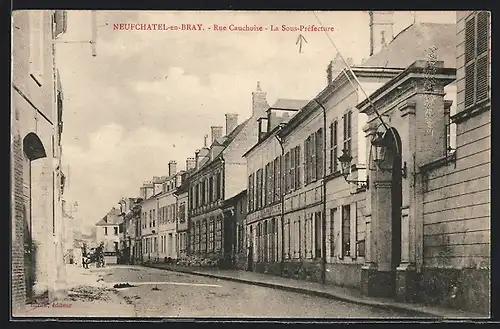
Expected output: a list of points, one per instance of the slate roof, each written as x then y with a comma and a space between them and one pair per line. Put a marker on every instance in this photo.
289, 104
411, 45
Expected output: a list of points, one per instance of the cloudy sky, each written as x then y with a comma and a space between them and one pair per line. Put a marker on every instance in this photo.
150, 96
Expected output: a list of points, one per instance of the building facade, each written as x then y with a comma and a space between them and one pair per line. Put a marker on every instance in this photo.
220, 175
182, 195
167, 215
37, 179
107, 232
235, 210
149, 223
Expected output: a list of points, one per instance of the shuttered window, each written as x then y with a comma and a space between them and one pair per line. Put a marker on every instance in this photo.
297, 167
476, 59
319, 153
334, 146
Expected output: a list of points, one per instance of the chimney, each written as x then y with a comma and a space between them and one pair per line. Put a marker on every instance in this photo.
334, 68
216, 132
259, 102
190, 164
197, 158
172, 168
381, 29
231, 122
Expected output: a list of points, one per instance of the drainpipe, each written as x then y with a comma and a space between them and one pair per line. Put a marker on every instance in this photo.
282, 196
323, 218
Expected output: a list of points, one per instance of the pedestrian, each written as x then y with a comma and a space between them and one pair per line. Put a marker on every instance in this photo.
85, 262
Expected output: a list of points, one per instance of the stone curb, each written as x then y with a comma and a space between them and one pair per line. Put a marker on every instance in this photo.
381, 305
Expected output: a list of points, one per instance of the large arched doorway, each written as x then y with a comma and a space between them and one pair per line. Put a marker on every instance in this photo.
33, 150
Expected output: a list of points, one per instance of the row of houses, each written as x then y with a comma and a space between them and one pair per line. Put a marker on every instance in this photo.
389, 193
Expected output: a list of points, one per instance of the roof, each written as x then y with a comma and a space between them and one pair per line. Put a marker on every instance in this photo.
411, 44
112, 218
227, 140
289, 104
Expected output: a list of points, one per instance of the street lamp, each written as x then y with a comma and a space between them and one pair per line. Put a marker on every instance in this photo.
345, 161
380, 145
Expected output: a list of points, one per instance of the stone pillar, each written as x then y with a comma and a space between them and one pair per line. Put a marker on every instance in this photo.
405, 274
369, 269
41, 187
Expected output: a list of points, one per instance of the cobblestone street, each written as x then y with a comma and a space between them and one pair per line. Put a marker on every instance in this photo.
160, 293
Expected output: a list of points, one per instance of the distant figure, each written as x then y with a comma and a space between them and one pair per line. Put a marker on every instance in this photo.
99, 254
85, 262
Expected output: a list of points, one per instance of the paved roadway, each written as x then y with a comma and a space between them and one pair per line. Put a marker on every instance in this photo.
161, 293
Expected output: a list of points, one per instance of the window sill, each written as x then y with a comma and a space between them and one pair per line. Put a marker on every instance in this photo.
471, 111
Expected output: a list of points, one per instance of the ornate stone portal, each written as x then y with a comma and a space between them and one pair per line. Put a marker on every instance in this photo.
394, 221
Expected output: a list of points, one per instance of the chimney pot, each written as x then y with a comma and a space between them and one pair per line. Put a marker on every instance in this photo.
259, 102
231, 122
172, 168
190, 163
216, 132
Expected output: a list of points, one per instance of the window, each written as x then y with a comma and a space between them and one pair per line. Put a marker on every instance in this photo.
287, 238
116, 230
191, 198
297, 238
203, 193
218, 234
270, 177
477, 59
333, 215
211, 235
287, 173
260, 187
334, 147
251, 192
319, 153
313, 148
265, 238
211, 189
197, 195
266, 184
317, 234
276, 178
218, 193
297, 167
182, 212
346, 230
347, 131
154, 217
105, 231
291, 173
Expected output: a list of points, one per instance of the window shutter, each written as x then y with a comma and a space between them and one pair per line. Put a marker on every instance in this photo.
469, 39
482, 79
297, 166
469, 85
482, 32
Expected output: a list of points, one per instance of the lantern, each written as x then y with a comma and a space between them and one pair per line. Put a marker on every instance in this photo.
379, 147
345, 162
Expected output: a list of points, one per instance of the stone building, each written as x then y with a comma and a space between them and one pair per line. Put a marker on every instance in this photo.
37, 179
235, 253
149, 223
167, 214
220, 174
182, 195
107, 232
264, 193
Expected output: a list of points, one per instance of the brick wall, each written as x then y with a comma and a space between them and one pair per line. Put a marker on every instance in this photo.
17, 222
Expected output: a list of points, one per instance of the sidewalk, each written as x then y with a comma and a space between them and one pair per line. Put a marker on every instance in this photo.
87, 296
328, 291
